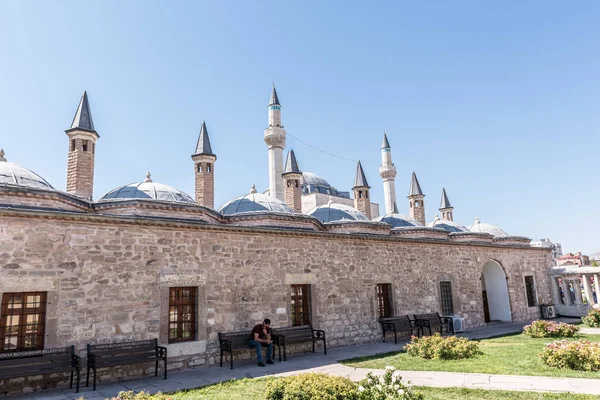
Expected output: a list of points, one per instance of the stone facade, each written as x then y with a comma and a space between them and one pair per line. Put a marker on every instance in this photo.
416, 204
362, 200
293, 191
107, 277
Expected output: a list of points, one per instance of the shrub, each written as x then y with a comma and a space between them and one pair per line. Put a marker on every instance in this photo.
539, 329
592, 319
311, 387
581, 355
438, 347
388, 386
131, 395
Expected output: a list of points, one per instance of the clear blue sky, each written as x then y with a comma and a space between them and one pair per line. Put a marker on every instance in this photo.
498, 102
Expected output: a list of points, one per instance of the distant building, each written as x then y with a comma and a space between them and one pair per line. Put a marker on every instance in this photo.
573, 259
556, 247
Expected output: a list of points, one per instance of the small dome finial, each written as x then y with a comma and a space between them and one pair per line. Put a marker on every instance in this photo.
477, 220
437, 218
2, 155
147, 177
330, 202
253, 189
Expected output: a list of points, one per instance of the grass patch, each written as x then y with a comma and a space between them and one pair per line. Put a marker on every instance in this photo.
253, 389
507, 355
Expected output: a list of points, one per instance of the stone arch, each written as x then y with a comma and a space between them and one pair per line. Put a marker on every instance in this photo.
495, 291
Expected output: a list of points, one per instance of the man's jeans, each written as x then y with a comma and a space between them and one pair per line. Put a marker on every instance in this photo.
257, 345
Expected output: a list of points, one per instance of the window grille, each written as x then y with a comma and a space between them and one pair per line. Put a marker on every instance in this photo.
384, 299
446, 294
300, 305
530, 289
22, 321
182, 314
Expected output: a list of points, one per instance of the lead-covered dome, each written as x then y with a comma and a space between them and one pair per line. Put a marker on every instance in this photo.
482, 227
332, 212
14, 174
148, 190
255, 202
448, 226
398, 220
312, 183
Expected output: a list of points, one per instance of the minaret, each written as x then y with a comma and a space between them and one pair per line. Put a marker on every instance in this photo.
416, 200
362, 202
82, 151
275, 139
204, 167
387, 171
445, 207
292, 177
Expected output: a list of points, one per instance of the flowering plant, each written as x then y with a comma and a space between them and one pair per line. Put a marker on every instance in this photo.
592, 319
581, 355
539, 328
388, 386
438, 347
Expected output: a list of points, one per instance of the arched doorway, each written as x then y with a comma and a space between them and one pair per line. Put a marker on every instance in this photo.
495, 293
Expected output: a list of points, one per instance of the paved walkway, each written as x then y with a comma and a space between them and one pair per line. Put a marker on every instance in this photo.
302, 363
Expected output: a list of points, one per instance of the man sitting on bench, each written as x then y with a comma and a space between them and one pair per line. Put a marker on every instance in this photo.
261, 335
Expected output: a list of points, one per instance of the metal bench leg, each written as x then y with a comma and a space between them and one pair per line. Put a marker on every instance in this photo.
221, 357
77, 387
94, 388
87, 380
156, 368
313, 346
231, 358
165, 367
395, 337
284, 353
71, 383
324, 346
279, 350
383, 336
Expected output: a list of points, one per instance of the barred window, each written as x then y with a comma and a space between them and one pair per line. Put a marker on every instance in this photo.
300, 305
384, 299
182, 314
530, 290
446, 294
22, 321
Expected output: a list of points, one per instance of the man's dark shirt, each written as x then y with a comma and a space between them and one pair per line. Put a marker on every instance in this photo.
258, 329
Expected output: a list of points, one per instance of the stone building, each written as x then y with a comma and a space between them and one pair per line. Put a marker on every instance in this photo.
147, 260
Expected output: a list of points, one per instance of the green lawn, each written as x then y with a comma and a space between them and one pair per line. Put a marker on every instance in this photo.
253, 389
507, 355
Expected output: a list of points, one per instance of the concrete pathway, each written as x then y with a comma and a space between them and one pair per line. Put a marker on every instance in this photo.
303, 363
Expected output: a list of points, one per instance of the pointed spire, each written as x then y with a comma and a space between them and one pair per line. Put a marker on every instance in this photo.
203, 146
274, 99
83, 116
360, 180
396, 209
2, 158
385, 144
445, 203
291, 165
415, 188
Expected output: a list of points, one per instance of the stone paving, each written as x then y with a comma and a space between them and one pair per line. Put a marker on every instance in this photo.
319, 362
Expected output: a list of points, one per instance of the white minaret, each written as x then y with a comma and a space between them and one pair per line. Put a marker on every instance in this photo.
275, 139
387, 171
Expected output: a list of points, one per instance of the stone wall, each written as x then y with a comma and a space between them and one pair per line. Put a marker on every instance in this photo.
109, 282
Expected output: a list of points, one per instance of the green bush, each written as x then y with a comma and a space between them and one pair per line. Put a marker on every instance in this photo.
581, 355
592, 319
131, 395
388, 386
539, 329
438, 347
311, 387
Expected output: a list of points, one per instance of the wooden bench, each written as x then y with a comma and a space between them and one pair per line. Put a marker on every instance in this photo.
298, 334
237, 341
40, 362
432, 320
398, 324
113, 354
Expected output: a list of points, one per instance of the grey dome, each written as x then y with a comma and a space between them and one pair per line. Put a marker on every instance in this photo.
482, 227
148, 190
14, 174
398, 220
255, 202
448, 226
332, 212
312, 183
